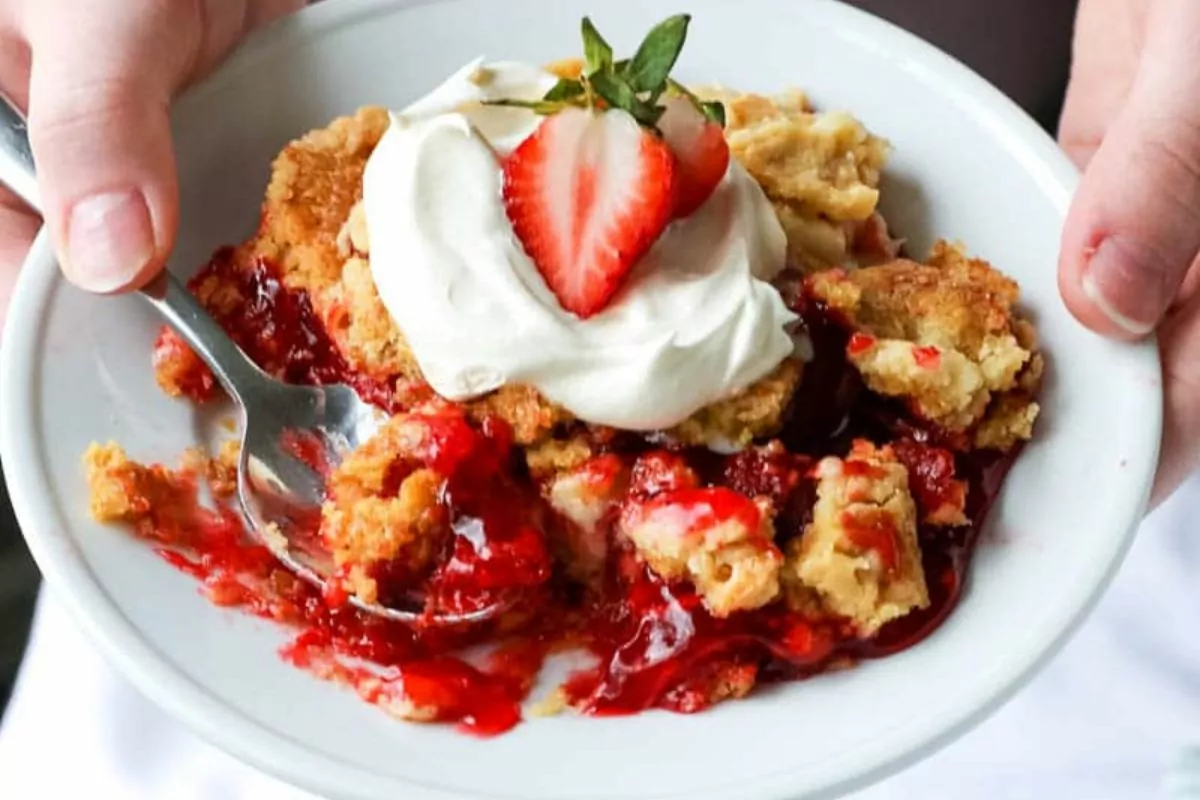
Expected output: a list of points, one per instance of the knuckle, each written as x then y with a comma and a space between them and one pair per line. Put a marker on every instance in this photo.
83, 105
1080, 148
1151, 180
1170, 151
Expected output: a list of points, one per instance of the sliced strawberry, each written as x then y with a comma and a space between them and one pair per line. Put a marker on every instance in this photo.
588, 194
700, 149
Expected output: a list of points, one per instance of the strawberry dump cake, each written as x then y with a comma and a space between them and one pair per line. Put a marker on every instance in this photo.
658, 381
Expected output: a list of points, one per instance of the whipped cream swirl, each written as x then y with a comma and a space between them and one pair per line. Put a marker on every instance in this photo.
696, 321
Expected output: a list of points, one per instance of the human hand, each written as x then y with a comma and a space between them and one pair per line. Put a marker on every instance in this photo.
1129, 252
96, 84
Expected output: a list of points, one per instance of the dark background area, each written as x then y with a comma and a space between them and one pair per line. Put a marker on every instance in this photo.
18, 588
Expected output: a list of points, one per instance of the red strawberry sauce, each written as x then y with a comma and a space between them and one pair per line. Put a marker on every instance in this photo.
655, 646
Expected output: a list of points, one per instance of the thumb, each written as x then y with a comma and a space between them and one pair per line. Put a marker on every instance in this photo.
99, 89
1134, 226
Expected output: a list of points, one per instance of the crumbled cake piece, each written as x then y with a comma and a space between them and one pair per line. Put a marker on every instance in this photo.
315, 182
860, 552
587, 498
112, 478
1009, 420
313, 226
820, 170
718, 539
159, 503
824, 164
660, 471
559, 454
943, 336
221, 469
308, 230
943, 385
715, 682
384, 506
406, 527
813, 243
954, 304
531, 417
390, 694
752, 413
353, 238
359, 324
552, 704
731, 682
397, 705
178, 371
367, 471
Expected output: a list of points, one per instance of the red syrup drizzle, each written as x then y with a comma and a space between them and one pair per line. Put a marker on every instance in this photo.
383, 661
655, 645
276, 327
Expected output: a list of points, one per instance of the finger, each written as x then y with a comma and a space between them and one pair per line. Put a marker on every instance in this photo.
100, 86
224, 22
17, 229
14, 69
263, 12
1133, 229
99, 89
1109, 37
1180, 340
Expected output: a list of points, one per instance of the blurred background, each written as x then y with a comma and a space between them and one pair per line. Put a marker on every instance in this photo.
18, 588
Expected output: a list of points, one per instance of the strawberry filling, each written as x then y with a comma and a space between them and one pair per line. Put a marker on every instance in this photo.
655, 644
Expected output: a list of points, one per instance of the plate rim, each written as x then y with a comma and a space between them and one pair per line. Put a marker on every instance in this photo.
229, 729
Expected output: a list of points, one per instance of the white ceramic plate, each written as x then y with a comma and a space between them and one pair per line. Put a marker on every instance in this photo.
967, 165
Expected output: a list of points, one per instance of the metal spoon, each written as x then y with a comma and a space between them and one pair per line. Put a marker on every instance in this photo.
280, 494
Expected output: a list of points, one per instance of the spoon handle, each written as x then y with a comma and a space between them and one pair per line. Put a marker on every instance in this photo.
16, 156
240, 376
237, 373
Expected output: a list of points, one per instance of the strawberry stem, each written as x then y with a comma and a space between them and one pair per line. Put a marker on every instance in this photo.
633, 85
712, 109
597, 53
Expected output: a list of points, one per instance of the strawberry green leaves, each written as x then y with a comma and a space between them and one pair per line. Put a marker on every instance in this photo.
656, 56
634, 85
713, 110
617, 92
565, 90
597, 54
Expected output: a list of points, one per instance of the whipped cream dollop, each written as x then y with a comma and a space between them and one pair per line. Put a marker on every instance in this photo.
696, 321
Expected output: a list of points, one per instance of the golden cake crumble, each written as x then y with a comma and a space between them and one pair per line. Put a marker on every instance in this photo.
945, 337
722, 542
860, 553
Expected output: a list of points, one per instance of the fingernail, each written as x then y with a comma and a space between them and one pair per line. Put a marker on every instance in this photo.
110, 238
1123, 288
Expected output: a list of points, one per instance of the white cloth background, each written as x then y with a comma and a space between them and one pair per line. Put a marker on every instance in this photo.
1111, 718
